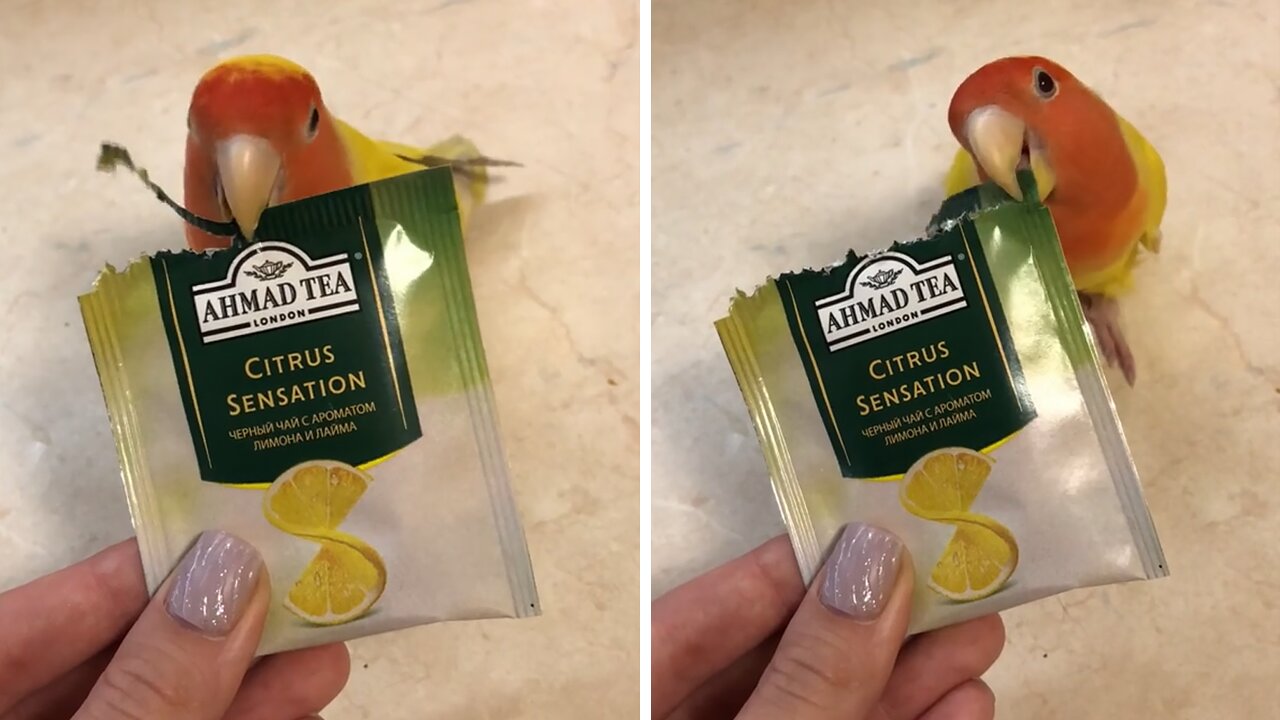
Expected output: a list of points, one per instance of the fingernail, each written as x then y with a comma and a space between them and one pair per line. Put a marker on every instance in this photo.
214, 582
861, 572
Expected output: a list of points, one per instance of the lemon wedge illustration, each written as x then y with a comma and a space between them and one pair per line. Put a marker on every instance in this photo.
347, 575
982, 554
976, 563
339, 585
944, 481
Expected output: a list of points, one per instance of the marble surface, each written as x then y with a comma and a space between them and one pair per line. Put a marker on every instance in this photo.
554, 257
785, 132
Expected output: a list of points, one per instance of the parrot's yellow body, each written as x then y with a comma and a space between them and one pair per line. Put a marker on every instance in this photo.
1102, 181
259, 134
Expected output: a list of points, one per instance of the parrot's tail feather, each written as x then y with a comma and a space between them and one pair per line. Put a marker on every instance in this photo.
473, 169
470, 167
459, 164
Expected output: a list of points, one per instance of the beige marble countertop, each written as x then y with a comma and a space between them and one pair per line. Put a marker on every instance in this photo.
785, 132
553, 258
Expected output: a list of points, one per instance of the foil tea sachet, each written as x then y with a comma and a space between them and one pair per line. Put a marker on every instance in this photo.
947, 389
322, 392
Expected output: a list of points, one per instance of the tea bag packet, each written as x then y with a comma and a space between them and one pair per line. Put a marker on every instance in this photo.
947, 389
321, 392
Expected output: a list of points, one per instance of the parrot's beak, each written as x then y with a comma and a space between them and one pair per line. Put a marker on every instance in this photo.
1001, 144
248, 175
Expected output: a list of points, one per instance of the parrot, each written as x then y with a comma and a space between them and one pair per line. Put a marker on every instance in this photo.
1102, 181
259, 134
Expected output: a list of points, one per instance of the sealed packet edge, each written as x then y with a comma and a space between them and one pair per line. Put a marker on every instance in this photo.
473, 363
786, 488
1065, 302
99, 312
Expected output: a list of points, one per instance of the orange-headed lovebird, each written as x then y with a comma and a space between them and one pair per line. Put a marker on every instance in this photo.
1102, 181
259, 133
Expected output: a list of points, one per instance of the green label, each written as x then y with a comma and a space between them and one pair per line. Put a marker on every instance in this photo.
287, 351
907, 351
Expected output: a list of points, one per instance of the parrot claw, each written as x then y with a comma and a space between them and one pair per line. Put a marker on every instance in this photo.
1103, 314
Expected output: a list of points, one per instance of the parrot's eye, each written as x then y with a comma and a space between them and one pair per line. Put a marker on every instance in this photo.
1044, 84
313, 123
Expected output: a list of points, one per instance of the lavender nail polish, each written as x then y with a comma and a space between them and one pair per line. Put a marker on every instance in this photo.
214, 582
861, 571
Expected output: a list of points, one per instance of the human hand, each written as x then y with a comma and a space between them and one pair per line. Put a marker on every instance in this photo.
85, 642
746, 639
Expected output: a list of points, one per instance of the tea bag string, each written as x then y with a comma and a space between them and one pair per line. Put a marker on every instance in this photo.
112, 156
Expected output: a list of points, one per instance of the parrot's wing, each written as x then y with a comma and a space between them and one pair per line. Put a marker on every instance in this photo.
963, 173
1151, 181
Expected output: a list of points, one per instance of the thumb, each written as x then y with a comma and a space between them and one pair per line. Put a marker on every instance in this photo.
840, 647
185, 657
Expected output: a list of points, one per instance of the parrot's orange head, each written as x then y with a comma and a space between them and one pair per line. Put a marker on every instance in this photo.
1015, 112
258, 134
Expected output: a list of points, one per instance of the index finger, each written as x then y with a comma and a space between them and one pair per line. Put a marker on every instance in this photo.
701, 627
56, 622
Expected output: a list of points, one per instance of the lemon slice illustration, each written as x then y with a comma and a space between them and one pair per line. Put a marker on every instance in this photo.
347, 575
339, 585
977, 562
944, 481
314, 496
982, 554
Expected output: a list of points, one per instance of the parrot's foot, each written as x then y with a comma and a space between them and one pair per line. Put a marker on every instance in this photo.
1103, 314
